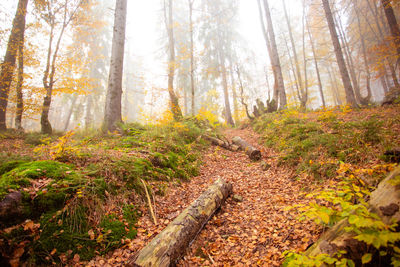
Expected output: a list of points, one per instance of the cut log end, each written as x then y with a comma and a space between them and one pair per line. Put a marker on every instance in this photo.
251, 151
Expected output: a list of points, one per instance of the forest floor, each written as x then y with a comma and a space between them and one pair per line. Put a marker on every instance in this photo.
254, 231
301, 153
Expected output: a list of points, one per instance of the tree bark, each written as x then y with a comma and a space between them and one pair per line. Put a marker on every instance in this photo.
384, 201
299, 80
242, 95
392, 21
112, 113
171, 244
321, 92
275, 61
8, 65
175, 108
222, 63
252, 152
350, 98
191, 2
20, 82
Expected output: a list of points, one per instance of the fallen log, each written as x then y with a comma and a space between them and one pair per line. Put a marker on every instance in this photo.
252, 152
384, 201
171, 244
218, 142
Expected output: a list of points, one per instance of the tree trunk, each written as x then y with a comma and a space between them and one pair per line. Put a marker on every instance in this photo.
321, 92
242, 94
71, 110
392, 21
191, 55
367, 99
350, 98
335, 87
275, 93
349, 60
112, 113
228, 113
88, 115
297, 75
384, 201
171, 244
20, 82
252, 152
234, 94
175, 108
275, 61
8, 65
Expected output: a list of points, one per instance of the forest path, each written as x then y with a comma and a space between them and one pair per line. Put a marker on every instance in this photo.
258, 229
252, 232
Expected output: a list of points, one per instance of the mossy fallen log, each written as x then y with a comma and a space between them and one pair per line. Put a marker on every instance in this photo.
171, 244
384, 201
251, 151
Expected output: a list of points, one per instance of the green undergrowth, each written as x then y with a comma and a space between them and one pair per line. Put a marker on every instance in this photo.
82, 201
317, 142
64, 204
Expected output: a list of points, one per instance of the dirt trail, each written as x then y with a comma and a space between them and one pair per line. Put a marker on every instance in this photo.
253, 232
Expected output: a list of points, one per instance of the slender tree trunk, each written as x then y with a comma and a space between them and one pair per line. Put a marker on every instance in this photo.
242, 94
234, 94
392, 22
297, 74
275, 61
192, 85
71, 110
8, 65
175, 108
349, 60
88, 115
112, 113
321, 92
334, 87
296, 82
367, 99
304, 98
350, 98
20, 82
275, 93
228, 113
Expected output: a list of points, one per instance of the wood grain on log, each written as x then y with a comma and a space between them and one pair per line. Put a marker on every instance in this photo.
171, 244
218, 142
251, 151
384, 201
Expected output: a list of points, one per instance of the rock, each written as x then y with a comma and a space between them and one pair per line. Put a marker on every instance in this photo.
237, 198
265, 166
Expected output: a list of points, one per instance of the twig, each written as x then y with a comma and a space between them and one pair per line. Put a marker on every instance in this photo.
149, 202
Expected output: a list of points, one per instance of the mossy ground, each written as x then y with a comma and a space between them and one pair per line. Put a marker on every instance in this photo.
88, 203
317, 142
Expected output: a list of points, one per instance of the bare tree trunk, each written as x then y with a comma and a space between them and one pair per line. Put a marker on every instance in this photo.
392, 21
175, 108
8, 65
335, 87
234, 94
367, 99
228, 113
304, 97
297, 75
275, 61
339, 55
321, 92
71, 110
275, 93
112, 113
88, 115
20, 82
49, 74
191, 2
242, 94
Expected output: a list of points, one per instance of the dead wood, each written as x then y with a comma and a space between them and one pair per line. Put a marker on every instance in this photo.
171, 244
251, 151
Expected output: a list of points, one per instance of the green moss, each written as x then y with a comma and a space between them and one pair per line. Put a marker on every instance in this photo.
114, 230
67, 231
8, 166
